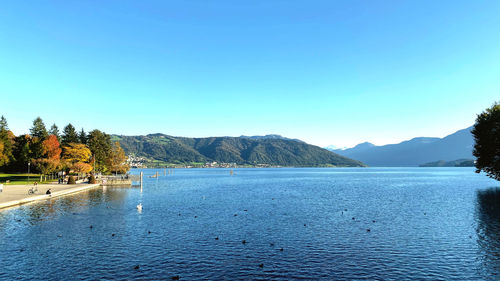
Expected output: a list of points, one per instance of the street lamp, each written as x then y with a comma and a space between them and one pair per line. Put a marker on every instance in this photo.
29, 164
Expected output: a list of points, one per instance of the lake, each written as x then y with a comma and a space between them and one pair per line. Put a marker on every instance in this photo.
310, 223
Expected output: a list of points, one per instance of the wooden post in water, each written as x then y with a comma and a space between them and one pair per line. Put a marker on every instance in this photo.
141, 180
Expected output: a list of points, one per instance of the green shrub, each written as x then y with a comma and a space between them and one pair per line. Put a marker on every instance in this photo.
71, 180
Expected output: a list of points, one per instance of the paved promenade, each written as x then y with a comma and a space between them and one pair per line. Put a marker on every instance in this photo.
13, 195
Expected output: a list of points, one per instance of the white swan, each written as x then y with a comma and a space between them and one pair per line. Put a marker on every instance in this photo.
139, 207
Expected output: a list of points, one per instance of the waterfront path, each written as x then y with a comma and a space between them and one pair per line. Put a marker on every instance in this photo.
13, 195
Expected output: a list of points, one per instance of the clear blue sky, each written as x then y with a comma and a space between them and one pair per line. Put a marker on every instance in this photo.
327, 72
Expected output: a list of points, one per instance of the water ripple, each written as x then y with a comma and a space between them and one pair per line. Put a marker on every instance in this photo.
303, 224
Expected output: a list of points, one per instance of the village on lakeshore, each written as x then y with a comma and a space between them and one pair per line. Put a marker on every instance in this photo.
139, 162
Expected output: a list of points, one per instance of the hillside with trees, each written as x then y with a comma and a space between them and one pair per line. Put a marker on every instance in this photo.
454, 163
238, 150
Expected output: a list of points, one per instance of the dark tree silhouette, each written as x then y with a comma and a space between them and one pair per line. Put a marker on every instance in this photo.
39, 134
70, 135
486, 133
101, 146
83, 136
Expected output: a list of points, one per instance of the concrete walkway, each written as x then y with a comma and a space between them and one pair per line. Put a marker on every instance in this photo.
13, 195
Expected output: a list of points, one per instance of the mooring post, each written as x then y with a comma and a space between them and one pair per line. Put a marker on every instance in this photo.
141, 180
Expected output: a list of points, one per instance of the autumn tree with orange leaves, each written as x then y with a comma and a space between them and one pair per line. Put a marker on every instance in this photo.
51, 148
51, 155
81, 168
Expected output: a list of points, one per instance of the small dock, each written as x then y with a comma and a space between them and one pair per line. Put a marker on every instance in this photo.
121, 180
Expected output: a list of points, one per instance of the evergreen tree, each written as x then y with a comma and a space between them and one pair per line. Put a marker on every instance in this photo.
70, 135
486, 133
22, 151
54, 130
100, 145
39, 134
3, 124
83, 137
38, 130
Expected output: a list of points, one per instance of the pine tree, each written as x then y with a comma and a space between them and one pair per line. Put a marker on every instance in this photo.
70, 135
54, 130
83, 137
22, 151
38, 130
39, 134
100, 145
3, 124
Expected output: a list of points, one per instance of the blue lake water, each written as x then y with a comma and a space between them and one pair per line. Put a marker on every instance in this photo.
424, 224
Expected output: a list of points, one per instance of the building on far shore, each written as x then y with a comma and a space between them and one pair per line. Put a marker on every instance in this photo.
136, 162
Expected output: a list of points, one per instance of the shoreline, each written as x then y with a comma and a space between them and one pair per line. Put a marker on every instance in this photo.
248, 167
16, 195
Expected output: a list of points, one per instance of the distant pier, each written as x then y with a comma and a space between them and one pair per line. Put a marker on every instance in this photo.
119, 180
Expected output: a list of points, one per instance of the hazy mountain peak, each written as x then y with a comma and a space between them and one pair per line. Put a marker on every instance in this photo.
364, 145
422, 140
415, 151
335, 148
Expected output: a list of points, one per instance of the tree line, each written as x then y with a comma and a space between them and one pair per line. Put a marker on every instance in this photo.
48, 151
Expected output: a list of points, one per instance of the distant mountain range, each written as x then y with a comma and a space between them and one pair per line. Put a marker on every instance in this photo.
414, 152
258, 150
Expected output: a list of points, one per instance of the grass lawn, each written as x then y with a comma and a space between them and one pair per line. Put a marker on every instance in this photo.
20, 178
